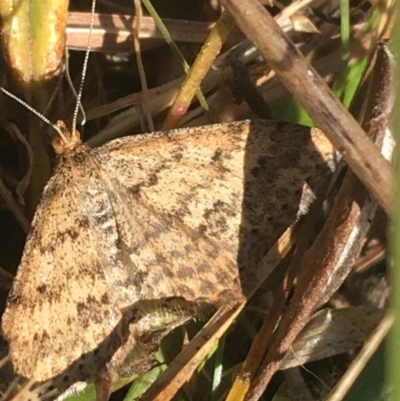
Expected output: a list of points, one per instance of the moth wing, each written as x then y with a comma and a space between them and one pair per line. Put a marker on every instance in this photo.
202, 204
61, 306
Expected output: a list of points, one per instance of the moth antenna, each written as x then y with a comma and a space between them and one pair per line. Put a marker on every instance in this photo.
84, 68
71, 85
33, 110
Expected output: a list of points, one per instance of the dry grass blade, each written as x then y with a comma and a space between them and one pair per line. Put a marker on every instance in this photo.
366, 353
113, 32
198, 71
5, 280
142, 73
260, 345
14, 207
168, 384
372, 257
23, 393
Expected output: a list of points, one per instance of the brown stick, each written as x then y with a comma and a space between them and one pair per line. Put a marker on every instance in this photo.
316, 98
329, 260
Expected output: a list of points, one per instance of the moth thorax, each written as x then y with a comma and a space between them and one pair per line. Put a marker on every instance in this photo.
65, 139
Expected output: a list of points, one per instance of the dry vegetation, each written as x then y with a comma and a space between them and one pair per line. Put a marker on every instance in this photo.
237, 84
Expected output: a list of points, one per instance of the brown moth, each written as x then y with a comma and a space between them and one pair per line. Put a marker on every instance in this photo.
140, 235
145, 232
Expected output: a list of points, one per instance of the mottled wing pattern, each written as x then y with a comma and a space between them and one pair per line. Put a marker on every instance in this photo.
159, 183
185, 215
201, 204
61, 306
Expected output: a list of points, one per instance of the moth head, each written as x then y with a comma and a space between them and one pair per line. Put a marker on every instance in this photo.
65, 139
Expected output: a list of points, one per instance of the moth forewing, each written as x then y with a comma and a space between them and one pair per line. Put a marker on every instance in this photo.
184, 215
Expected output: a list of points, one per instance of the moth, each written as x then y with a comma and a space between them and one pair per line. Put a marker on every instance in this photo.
137, 236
